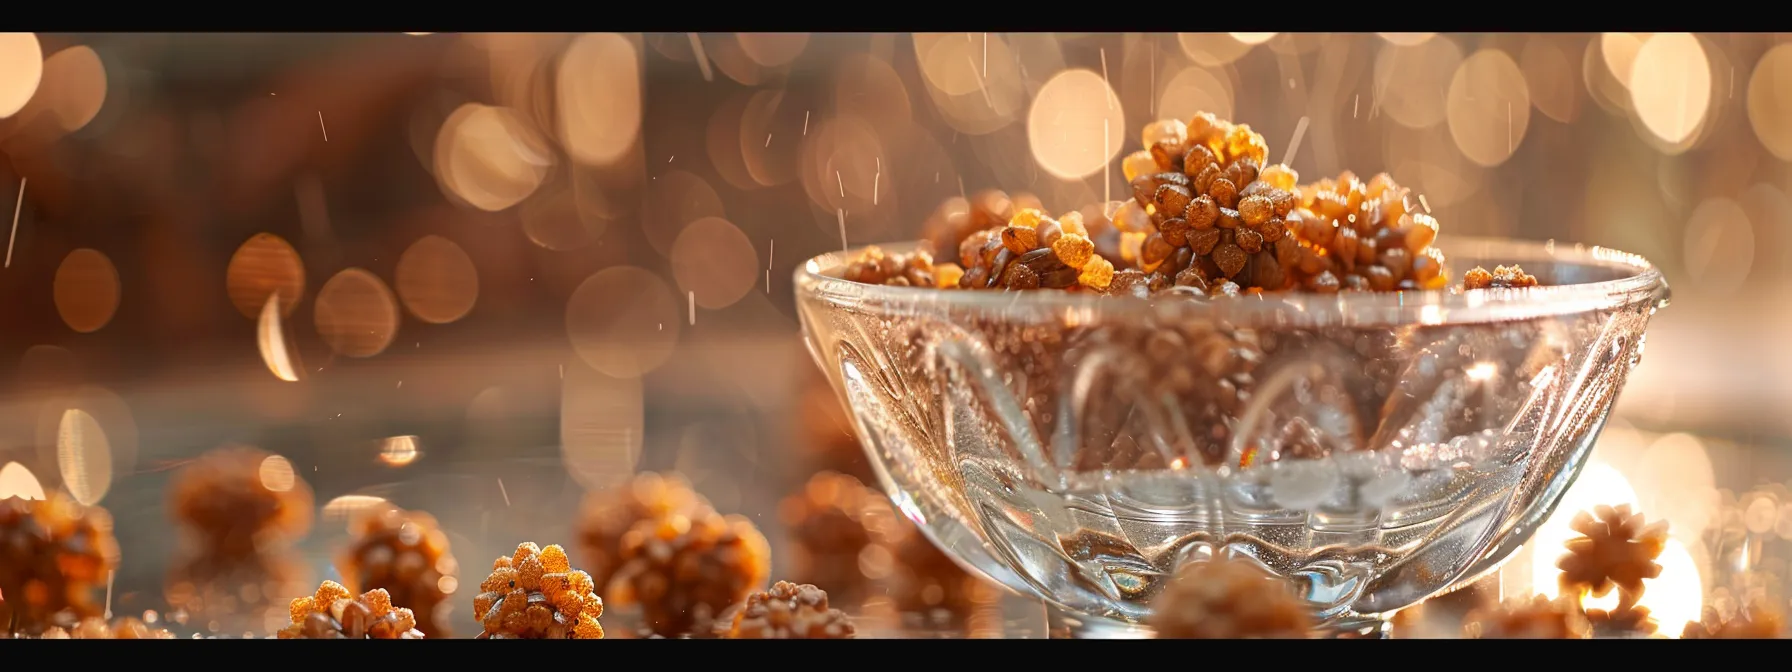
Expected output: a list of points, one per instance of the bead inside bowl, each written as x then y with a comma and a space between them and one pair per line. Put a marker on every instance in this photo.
1373, 449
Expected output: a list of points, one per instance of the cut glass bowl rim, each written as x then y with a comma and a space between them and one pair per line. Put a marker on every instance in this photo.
1631, 280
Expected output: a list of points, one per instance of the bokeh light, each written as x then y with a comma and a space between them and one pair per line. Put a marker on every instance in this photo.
602, 423
1619, 51
1550, 79
86, 290
398, 451
1411, 81
84, 456
1195, 89
772, 49
264, 265
1770, 101
676, 198
600, 98
21, 68
623, 321
436, 280
90, 434
1211, 49
490, 157
356, 314
1675, 481
1488, 107
973, 79
73, 88
348, 507
1407, 39
277, 474
1719, 247
1076, 125
1252, 39
769, 129
17, 481
271, 340
715, 262
1670, 85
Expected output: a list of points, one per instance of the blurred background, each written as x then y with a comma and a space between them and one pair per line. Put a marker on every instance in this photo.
479, 275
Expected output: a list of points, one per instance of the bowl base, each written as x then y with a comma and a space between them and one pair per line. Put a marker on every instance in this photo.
1061, 624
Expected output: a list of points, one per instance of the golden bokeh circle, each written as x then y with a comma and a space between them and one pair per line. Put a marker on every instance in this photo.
677, 198
436, 280
1719, 246
1549, 75
21, 69
1670, 85
1618, 51
1770, 101
973, 80
86, 290
1488, 107
716, 261
1195, 89
73, 88
356, 314
1412, 81
1407, 39
84, 456
1076, 125
599, 98
770, 130
868, 88
1211, 49
554, 221
722, 141
263, 265
624, 321
89, 433
490, 157
277, 474
772, 49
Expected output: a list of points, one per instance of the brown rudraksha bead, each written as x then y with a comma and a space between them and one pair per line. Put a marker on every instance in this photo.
536, 594
1616, 549
335, 613
827, 520
1206, 210
683, 570
54, 554
1034, 251
874, 266
404, 553
958, 217
608, 515
240, 510
789, 611
1502, 277
1357, 236
1228, 599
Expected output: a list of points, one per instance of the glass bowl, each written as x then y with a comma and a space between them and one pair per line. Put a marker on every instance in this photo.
1372, 449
